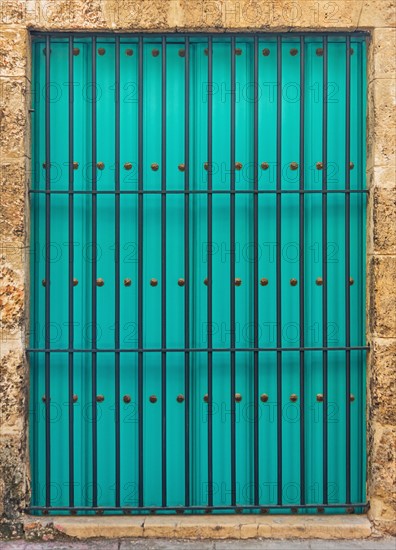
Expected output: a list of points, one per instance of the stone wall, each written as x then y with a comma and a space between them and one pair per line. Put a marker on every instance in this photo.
18, 17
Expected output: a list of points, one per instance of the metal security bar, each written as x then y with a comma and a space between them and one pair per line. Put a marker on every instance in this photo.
210, 157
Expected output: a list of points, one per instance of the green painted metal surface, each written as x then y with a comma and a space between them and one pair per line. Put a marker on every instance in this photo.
83, 254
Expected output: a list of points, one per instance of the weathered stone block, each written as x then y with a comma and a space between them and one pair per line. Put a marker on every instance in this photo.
381, 129
381, 299
13, 390
13, 470
381, 217
12, 298
12, 201
381, 484
380, 63
381, 378
145, 15
382, 176
282, 15
14, 54
14, 126
377, 13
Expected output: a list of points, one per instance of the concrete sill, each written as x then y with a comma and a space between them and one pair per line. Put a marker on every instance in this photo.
203, 527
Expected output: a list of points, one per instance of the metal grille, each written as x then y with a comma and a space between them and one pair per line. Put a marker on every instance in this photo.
198, 273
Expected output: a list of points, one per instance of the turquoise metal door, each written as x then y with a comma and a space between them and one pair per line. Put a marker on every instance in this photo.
198, 273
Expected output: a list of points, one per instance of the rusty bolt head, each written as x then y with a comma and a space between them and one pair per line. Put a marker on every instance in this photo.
352, 397
293, 51
154, 167
238, 166
351, 281
293, 166
206, 165
351, 166
100, 398
319, 52
101, 51
293, 397
76, 51
181, 167
129, 52
264, 166
238, 397
206, 398
238, 281
264, 397
266, 52
126, 398
319, 281
181, 282
128, 165
180, 398
319, 165
293, 282
238, 51
75, 398
99, 282
319, 397
127, 282
263, 281
75, 282
206, 51
206, 282
153, 398
100, 165
75, 165
153, 282
182, 53
155, 52
44, 282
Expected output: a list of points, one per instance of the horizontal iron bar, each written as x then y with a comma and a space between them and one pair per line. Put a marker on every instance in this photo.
176, 509
193, 350
194, 191
238, 34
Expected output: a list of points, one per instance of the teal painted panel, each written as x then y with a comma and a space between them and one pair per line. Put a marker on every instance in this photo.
293, 250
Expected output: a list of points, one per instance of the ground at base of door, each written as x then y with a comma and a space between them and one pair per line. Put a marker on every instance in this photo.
277, 527
386, 543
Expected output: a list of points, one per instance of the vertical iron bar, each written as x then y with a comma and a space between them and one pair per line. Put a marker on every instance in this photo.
255, 276
187, 271
361, 182
117, 271
324, 269
163, 269
47, 274
301, 269
71, 274
209, 303
348, 267
279, 267
94, 275
232, 275
140, 270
